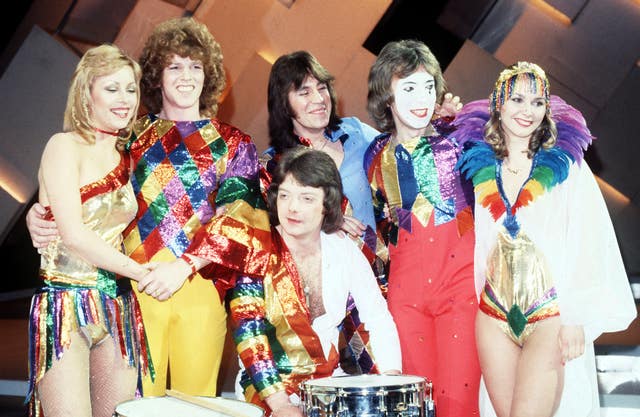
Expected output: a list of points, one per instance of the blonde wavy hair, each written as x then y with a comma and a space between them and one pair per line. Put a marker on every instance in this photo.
96, 62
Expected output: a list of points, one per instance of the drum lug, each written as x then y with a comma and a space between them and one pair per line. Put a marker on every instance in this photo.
343, 412
411, 411
382, 393
429, 404
430, 407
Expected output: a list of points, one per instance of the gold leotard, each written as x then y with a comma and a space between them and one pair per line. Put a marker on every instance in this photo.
519, 288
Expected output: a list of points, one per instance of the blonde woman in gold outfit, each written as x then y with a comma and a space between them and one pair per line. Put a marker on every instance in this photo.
87, 342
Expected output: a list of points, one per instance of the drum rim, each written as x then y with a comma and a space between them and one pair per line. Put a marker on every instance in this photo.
155, 397
312, 385
417, 378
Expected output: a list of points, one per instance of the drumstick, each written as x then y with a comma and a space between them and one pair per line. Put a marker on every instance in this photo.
204, 403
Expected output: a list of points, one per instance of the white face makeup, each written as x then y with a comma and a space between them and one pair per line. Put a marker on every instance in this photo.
414, 103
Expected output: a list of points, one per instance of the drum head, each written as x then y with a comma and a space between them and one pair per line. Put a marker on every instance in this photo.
365, 381
172, 407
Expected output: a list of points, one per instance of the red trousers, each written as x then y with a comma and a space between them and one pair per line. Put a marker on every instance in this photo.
432, 299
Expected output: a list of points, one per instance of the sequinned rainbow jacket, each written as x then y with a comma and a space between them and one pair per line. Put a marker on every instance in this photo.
183, 172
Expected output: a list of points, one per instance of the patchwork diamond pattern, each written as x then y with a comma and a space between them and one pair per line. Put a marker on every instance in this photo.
178, 167
353, 344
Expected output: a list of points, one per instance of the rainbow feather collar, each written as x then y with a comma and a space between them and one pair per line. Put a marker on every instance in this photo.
549, 168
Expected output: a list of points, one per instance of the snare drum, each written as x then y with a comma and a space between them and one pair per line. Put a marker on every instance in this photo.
367, 396
173, 407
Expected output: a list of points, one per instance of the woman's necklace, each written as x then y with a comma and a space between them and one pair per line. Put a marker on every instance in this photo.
106, 132
513, 171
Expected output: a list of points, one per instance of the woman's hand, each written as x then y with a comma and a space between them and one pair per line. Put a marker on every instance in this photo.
571, 341
165, 279
151, 265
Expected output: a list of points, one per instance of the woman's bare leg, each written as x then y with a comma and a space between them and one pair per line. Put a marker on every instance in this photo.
499, 358
64, 389
540, 376
113, 381
521, 382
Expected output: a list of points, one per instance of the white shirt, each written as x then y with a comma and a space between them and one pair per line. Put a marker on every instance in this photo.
346, 270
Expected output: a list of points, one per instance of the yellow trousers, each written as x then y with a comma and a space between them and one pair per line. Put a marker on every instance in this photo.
186, 336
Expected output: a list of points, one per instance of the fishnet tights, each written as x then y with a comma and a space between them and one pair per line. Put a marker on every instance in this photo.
88, 381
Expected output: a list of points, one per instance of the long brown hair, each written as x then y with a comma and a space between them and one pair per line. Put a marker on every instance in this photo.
288, 73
